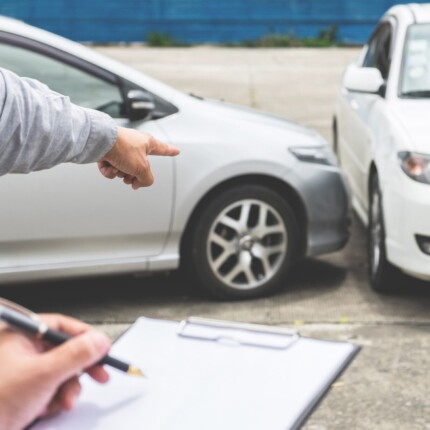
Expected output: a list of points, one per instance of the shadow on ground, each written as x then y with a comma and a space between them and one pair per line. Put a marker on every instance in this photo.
325, 289
310, 276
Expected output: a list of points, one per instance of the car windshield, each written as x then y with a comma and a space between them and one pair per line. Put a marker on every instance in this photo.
415, 80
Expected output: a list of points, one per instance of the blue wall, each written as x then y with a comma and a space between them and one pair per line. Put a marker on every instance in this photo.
198, 21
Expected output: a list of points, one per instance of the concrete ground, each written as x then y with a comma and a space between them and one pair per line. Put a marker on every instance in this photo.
386, 387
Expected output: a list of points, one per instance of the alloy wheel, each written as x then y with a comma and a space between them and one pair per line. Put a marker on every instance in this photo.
247, 244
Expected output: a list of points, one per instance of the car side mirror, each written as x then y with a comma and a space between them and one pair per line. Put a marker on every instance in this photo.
363, 79
140, 105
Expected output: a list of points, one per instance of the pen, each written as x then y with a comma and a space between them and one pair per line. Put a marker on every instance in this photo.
37, 328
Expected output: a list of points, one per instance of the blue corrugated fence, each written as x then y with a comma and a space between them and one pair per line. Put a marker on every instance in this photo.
198, 21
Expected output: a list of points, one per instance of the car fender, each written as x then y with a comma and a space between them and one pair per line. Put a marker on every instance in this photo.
188, 200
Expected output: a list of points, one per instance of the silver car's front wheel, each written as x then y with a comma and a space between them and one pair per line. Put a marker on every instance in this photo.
244, 242
247, 243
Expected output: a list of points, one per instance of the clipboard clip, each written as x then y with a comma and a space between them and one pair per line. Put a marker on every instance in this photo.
234, 333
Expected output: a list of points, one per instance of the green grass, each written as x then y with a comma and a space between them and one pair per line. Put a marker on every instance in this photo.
159, 39
326, 37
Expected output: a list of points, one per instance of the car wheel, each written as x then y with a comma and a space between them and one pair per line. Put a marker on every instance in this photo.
244, 242
382, 274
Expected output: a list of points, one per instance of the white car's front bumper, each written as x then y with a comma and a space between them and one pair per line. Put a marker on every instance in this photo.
407, 214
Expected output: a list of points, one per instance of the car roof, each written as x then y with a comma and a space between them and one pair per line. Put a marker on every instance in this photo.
411, 13
8, 19
421, 12
20, 28
16, 26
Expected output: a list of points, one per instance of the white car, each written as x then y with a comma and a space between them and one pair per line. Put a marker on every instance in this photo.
249, 194
382, 138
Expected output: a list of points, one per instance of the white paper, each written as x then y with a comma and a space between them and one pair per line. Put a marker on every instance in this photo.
197, 384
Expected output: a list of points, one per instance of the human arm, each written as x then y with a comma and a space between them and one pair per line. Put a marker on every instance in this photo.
40, 128
35, 381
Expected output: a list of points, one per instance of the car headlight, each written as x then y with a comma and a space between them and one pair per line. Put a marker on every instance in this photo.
416, 166
315, 154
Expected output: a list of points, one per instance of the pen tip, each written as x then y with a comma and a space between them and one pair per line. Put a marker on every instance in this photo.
135, 371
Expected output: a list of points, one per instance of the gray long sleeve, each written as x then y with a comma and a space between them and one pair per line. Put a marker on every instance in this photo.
40, 128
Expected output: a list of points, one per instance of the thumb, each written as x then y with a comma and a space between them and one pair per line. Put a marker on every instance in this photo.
76, 355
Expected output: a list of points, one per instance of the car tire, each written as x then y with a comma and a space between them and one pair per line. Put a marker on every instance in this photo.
336, 148
335, 138
383, 276
243, 243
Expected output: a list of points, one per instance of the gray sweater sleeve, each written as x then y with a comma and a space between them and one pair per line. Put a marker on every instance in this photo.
40, 128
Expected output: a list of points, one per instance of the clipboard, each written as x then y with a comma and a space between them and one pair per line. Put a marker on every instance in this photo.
243, 334
212, 375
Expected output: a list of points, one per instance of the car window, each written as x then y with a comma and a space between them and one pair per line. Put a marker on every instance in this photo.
378, 53
415, 77
83, 88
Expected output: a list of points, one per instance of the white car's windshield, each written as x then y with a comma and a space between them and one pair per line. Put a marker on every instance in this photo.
415, 81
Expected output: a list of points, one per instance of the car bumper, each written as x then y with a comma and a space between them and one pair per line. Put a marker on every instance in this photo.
325, 194
406, 206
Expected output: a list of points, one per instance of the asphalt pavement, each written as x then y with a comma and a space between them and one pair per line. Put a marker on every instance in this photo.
387, 386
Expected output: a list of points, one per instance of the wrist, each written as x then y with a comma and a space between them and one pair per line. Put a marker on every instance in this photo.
118, 146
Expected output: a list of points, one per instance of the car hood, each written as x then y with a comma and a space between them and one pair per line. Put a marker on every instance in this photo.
242, 113
213, 122
414, 117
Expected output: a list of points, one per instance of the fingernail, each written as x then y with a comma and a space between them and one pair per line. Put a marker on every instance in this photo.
100, 340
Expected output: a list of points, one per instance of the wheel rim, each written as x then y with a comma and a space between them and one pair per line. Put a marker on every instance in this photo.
375, 232
247, 244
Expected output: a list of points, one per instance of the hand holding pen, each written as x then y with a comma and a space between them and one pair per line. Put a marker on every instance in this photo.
38, 380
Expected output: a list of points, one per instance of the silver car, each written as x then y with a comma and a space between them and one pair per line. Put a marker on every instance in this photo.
249, 195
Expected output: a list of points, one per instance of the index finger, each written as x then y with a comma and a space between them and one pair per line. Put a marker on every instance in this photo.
161, 148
